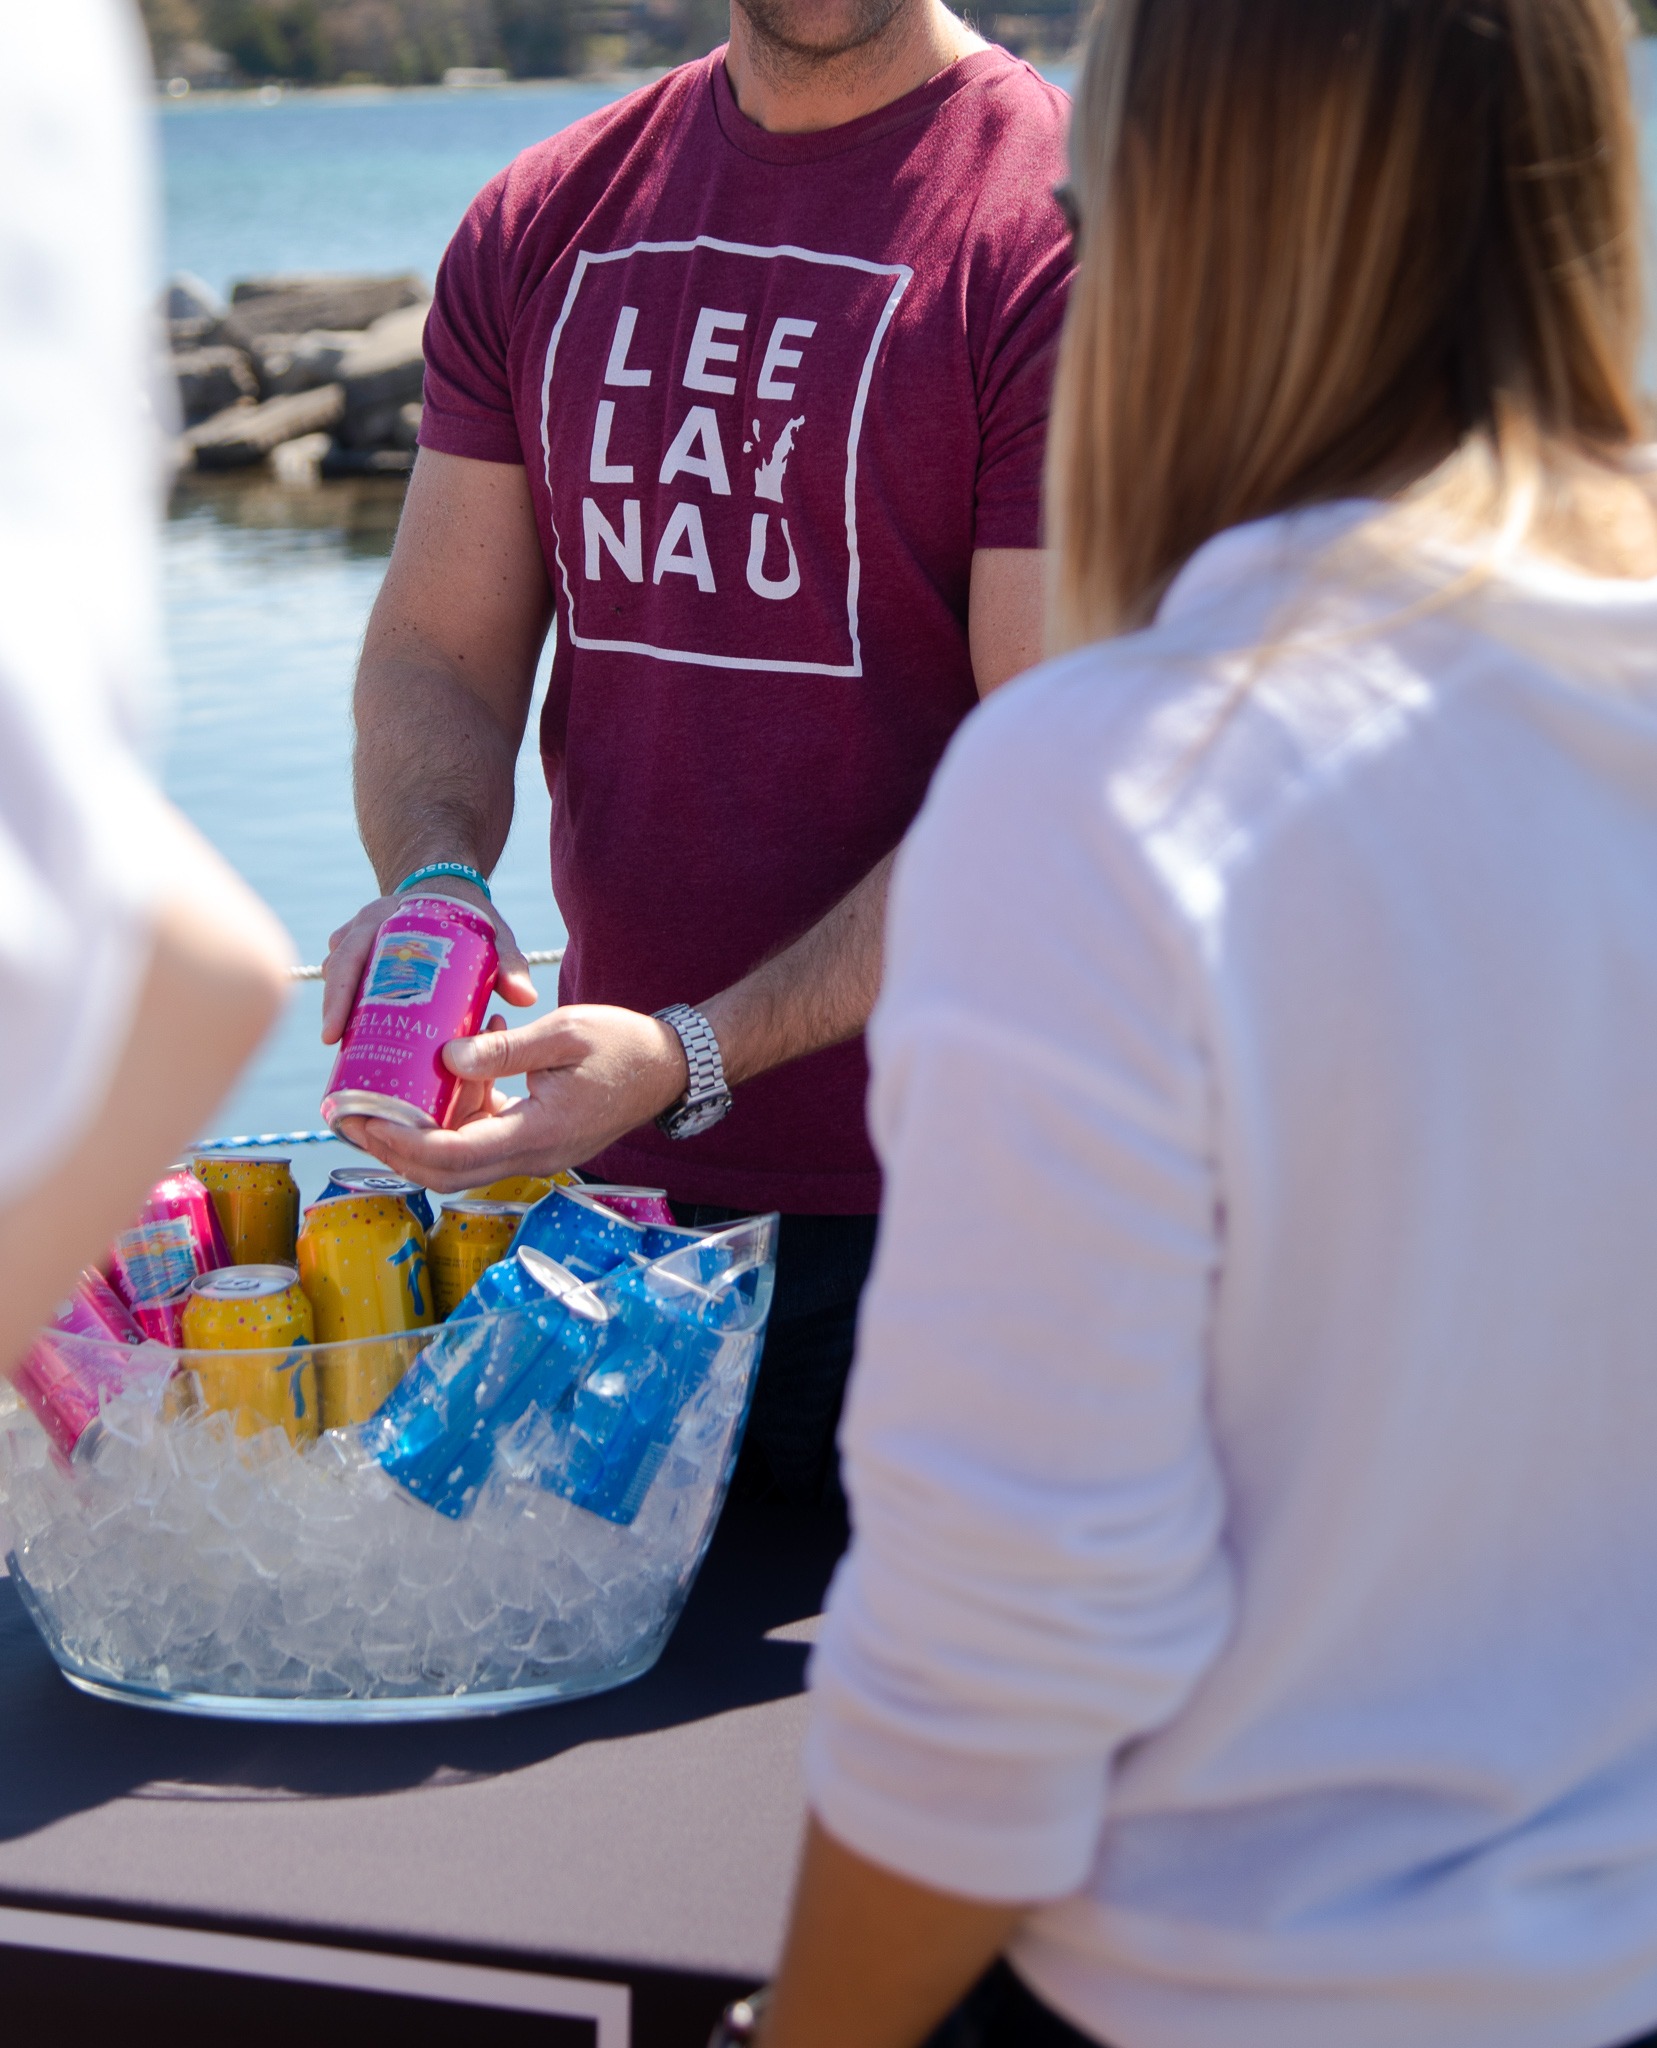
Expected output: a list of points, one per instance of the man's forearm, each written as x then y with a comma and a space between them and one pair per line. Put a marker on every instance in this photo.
817, 992
820, 990
596, 1073
435, 767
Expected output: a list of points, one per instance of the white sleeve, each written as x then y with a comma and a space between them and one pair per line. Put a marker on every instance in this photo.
1036, 1575
78, 480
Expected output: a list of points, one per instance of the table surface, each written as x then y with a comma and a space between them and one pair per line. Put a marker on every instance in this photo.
656, 1825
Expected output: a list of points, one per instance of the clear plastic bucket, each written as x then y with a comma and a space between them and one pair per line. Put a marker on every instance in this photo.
196, 1555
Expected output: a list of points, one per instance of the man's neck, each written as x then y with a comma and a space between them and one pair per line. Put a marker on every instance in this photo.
792, 92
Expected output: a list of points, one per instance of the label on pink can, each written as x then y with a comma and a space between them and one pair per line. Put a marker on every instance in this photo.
152, 1266
177, 1237
183, 1196
429, 979
155, 1261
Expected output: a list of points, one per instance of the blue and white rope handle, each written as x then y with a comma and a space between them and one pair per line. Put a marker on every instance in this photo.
549, 958
258, 1140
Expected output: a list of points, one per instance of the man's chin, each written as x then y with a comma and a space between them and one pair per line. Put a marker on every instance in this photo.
818, 31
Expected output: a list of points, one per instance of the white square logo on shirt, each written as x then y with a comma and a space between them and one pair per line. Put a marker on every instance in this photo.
701, 411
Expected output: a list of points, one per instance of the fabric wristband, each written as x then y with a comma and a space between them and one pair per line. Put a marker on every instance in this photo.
457, 868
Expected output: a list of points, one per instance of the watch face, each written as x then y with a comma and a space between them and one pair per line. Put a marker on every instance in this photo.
697, 1117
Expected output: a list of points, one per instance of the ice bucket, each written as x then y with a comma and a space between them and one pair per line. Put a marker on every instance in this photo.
193, 1557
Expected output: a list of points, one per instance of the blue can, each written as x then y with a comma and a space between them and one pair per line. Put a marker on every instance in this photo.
590, 1240
374, 1180
519, 1339
571, 1385
605, 1442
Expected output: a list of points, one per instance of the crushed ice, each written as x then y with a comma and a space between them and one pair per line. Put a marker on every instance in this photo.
182, 1558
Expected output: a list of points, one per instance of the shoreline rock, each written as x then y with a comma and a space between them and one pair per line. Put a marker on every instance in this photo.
245, 434
300, 362
382, 372
294, 358
192, 311
273, 305
210, 380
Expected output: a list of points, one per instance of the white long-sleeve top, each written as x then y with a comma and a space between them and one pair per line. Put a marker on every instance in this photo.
1253, 1437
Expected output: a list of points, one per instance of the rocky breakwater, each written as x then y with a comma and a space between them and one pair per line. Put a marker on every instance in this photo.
312, 376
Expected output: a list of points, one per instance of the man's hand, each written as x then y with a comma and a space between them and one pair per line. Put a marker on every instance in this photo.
350, 947
595, 1073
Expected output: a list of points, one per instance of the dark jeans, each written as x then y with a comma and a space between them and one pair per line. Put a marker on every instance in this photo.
1003, 2012
822, 1263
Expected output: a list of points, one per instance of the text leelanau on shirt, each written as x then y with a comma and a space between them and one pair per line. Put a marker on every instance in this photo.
705, 436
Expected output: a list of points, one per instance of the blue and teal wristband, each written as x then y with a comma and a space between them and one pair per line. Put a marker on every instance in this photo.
436, 869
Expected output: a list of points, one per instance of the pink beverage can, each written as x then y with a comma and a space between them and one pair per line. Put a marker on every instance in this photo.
177, 1237
184, 1196
638, 1205
428, 980
63, 1380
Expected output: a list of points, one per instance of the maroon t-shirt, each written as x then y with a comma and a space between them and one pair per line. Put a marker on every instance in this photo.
771, 392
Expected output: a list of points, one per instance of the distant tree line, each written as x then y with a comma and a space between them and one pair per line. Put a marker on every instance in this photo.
411, 42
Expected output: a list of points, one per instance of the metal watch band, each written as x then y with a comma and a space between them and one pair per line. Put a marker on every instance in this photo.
707, 1098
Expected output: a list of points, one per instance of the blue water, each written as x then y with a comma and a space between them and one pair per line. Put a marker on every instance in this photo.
268, 591
374, 180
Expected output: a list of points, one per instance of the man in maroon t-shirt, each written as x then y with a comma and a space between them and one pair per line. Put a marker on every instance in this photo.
742, 382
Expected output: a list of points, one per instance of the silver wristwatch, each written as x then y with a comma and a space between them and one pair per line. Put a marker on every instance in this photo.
707, 1098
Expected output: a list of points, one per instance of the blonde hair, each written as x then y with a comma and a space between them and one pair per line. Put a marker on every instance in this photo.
1326, 246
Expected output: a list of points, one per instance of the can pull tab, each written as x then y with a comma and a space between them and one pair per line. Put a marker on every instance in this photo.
562, 1284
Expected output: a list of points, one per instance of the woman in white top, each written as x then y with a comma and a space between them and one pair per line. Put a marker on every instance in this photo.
136, 972
1251, 1623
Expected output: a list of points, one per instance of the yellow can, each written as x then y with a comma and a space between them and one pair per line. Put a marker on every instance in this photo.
522, 1187
470, 1235
234, 1319
362, 1262
257, 1199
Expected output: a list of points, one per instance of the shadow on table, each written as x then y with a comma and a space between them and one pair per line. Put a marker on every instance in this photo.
769, 1566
